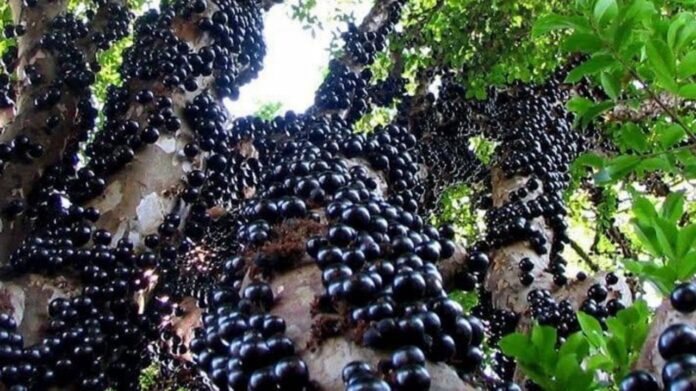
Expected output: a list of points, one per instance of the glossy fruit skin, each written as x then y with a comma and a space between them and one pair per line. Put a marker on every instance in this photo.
639, 381
678, 367
677, 339
685, 383
683, 298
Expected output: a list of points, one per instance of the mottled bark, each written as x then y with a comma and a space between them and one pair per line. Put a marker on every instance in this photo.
18, 178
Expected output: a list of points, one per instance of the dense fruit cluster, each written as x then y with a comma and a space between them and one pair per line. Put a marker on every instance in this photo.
359, 375
405, 370
443, 126
67, 40
385, 92
346, 88
243, 348
377, 258
7, 93
161, 61
97, 338
677, 346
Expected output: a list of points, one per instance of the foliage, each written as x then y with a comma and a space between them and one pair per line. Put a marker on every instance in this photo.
269, 110
468, 300
483, 148
5, 19
639, 56
316, 16
375, 117
110, 60
672, 246
457, 207
148, 376
573, 364
380, 67
303, 13
488, 40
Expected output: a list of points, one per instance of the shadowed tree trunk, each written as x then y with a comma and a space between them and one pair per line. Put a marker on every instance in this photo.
238, 253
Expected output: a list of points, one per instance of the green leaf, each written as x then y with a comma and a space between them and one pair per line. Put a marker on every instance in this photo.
579, 105
655, 163
618, 168
575, 344
639, 10
633, 137
688, 91
648, 238
617, 350
517, 345
623, 33
600, 362
681, 31
467, 300
673, 207
611, 82
594, 111
592, 329
687, 266
582, 42
674, 28
671, 135
616, 327
538, 375
589, 159
567, 368
662, 277
552, 22
643, 210
686, 239
661, 59
544, 339
666, 233
595, 64
687, 66
605, 9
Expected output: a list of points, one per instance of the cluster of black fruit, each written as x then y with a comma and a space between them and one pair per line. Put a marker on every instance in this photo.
97, 338
233, 28
109, 23
380, 260
160, 60
339, 87
405, 370
243, 348
347, 85
253, 145
7, 94
529, 121
9, 58
534, 137
377, 257
384, 92
64, 40
443, 126
561, 315
677, 346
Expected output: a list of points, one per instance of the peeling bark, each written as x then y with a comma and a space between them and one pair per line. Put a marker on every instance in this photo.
19, 178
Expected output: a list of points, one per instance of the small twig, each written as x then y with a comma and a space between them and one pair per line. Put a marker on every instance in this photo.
583, 255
